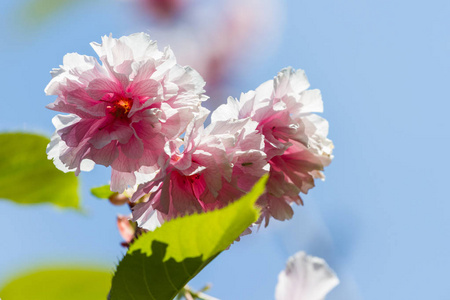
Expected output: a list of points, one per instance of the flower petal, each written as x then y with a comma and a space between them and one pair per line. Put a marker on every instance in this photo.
305, 278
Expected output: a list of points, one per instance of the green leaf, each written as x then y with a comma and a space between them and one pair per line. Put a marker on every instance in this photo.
59, 284
160, 263
28, 177
34, 12
102, 192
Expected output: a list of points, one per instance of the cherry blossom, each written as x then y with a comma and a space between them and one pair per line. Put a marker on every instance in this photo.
305, 278
122, 111
164, 9
295, 138
204, 175
126, 229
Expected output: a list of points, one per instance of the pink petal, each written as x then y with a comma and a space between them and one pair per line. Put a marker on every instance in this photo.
134, 148
126, 230
97, 88
145, 88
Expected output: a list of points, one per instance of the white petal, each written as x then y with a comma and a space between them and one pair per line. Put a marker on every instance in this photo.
57, 146
311, 101
290, 81
225, 112
54, 152
305, 278
149, 219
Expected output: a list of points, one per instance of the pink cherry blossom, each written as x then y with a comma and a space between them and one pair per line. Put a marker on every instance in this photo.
126, 230
164, 9
295, 139
121, 112
204, 175
305, 278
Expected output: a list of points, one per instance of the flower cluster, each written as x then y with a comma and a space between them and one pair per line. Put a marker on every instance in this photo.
295, 139
140, 113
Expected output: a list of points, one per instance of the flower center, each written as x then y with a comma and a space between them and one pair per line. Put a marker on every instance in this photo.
193, 178
176, 157
120, 108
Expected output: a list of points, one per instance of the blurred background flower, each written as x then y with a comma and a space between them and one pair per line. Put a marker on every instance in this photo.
305, 278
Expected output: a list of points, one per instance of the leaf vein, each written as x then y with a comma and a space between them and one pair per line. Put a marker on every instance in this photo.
168, 277
145, 279
126, 287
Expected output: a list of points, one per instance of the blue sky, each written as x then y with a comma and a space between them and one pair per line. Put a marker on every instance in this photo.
381, 217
